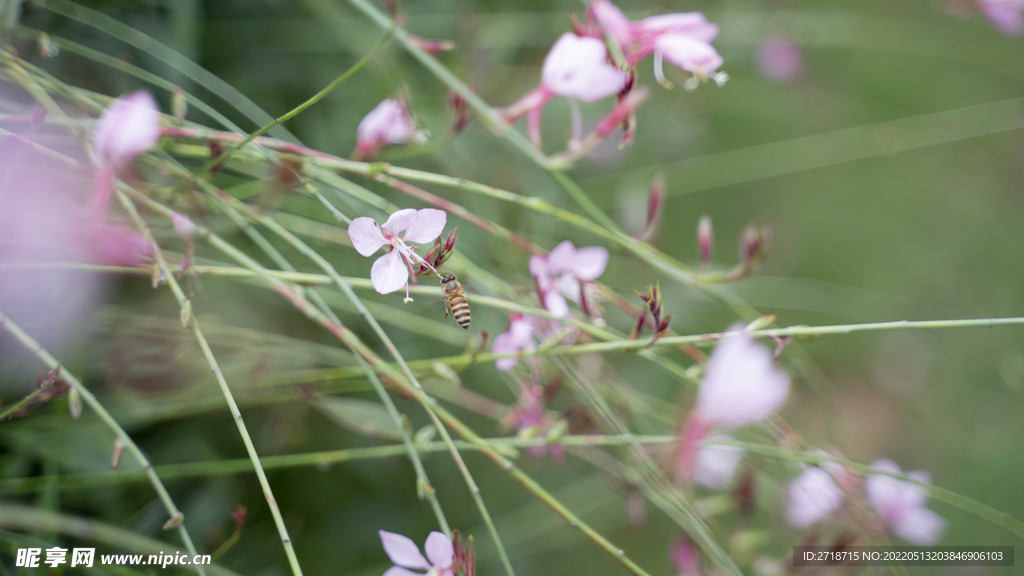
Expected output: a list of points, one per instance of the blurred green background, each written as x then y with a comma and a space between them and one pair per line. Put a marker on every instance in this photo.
889, 170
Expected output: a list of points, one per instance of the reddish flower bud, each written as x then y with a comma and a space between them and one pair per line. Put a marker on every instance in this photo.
449, 243
459, 558
705, 241
470, 568
460, 111
754, 246
655, 202
239, 516
434, 47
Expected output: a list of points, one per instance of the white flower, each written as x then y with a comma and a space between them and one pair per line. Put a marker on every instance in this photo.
901, 504
405, 554
716, 463
813, 495
391, 271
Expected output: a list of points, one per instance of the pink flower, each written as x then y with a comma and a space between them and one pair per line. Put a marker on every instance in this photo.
405, 554
685, 557
1005, 15
741, 384
813, 495
684, 39
182, 225
564, 268
577, 67
518, 338
741, 387
779, 59
900, 503
391, 271
389, 123
717, 463
127, 128
119, 245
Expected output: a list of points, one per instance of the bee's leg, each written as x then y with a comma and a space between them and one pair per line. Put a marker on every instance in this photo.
447, 308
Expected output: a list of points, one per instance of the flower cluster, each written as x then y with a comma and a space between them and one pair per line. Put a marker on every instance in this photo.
654, 302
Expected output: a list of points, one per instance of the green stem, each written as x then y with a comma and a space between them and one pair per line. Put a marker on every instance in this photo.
133, 448
14, 407
190, 319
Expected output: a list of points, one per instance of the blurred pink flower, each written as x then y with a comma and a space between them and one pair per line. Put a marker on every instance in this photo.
813, 495
741, 387
683, 38
1005, 15
779, 59
389, 123
405, 554
129, 126
564, 268
577, 67
685, 557
182, 225
391, 271
901, 504
717, 463
518, 337
118, 245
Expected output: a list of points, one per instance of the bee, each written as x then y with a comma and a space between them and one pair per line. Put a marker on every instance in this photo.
455, 302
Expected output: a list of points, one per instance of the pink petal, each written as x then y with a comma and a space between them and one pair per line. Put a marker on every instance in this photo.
427, 225
389, 273
812, 496
127, 128
717, 463
556, 304
1005, 16
893, 498
388, 123
779, 59
741, 384
692, 24
562, 257
399, 571
688, 53
439, 550
920, 526
589, 263
119, 245
540, 269
400, 221
366, 235
613, 21
182, 225
402, 551
578, 67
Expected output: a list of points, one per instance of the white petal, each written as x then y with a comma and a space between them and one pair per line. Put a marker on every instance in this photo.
428, 225
692, 24
614, 22
812, 496
741, 385
399, 571
562, 257
688, 53
556, 304
893, 498
578, 67
389, 273
920, 526
400, 221
127, 128
387, 123
402, 551
716, 464
439, 550
590, 263
366, 235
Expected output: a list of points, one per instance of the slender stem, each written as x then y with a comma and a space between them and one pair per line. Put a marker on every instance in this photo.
17, 405
189, 318
133, 448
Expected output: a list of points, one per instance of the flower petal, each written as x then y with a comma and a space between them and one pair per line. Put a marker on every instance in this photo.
389, 273
578, 67
399, 571
692, 24
127, 128
562, 257
688, 53
556, 304
716, 464
920, 526
741, 384
366, 235
614, 22
590, 263
402, 551
439, 550
400, 221
813, 495
1005, 16
388, 123
428, 225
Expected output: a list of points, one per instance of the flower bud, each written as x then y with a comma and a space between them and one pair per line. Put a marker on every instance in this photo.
655, 203
175, 521
705, 241
115, 459
182, 225
470, 568
239, 517
74, 403
433, 47
186, 313
685, 556
179, 105
449, 243
754, 246
461, 112
459, 557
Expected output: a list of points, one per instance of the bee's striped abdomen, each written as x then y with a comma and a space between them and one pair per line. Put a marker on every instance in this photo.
460, 309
